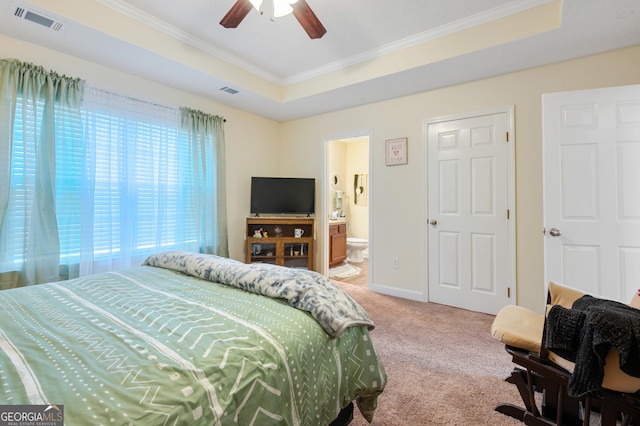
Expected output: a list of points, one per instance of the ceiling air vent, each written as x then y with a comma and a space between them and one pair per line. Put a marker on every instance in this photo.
38, 18
229, 90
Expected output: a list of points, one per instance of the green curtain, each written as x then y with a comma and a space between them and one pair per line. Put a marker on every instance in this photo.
207, 150
46, 100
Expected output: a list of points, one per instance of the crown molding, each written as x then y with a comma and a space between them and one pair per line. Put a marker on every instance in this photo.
450, 28
487, 16
190, 39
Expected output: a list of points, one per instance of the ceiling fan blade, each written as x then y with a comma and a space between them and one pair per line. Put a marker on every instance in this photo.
308, 19
236, 14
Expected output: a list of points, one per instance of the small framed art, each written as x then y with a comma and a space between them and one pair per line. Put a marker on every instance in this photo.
396, 151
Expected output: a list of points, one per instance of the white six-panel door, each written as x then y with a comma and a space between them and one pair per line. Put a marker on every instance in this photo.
592, 190
469, 238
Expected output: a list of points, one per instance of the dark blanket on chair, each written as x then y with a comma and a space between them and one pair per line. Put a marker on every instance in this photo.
585, 333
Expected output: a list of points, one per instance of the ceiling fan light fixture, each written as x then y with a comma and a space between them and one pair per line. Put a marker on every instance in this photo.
281, 8
302, 12
256, 4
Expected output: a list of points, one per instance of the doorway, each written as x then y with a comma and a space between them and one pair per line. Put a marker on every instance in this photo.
347, 200
591, 144
471, 210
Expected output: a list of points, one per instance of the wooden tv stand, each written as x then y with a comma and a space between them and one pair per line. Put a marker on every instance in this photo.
282, 248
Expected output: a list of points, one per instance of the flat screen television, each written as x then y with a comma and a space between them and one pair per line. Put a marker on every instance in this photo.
282, 195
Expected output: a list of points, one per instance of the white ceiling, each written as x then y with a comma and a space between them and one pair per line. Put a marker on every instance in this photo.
373, 49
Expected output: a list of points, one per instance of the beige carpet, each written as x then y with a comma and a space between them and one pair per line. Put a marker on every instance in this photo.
443, 366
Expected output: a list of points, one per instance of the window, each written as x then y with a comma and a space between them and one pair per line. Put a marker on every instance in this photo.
140, 160
124, 180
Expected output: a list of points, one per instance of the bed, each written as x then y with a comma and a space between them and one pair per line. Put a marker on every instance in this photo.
188, 338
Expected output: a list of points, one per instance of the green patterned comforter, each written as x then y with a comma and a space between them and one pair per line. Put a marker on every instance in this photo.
154, 346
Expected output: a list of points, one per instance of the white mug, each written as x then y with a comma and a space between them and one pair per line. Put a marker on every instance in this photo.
298, 232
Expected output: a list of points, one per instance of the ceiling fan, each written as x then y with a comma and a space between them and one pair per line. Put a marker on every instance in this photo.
299, 8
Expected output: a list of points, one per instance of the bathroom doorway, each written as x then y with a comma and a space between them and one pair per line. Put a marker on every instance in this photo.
347, 201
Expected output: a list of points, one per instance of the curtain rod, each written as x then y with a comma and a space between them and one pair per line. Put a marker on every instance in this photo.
133, 99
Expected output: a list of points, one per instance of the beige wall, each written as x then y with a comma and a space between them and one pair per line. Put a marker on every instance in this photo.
257, 146
344, 160
357, 214
337, 159
397, 205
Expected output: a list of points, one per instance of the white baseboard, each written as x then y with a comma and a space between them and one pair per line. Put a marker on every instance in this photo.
392, 291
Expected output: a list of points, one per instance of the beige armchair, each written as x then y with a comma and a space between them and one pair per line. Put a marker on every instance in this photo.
542, 376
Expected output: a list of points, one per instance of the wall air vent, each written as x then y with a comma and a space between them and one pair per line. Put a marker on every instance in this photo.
38, 18
229, 90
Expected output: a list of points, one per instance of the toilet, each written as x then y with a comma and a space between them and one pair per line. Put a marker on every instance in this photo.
355, 247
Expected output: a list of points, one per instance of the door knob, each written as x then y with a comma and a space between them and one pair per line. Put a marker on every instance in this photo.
554, 232
433, 222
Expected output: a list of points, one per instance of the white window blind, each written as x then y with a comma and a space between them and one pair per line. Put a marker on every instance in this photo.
141, 170
123, 184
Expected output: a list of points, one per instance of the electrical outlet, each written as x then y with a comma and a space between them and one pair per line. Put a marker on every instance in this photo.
395, 263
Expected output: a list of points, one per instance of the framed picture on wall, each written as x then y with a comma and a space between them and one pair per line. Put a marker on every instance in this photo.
396, 151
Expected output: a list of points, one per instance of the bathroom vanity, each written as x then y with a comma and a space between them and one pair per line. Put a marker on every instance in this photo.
337, 242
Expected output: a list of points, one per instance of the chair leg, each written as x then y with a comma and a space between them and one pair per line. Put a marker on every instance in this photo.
511, 410
557, 407
586, 414
608, 415
532, 420
619, 408
524, 383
